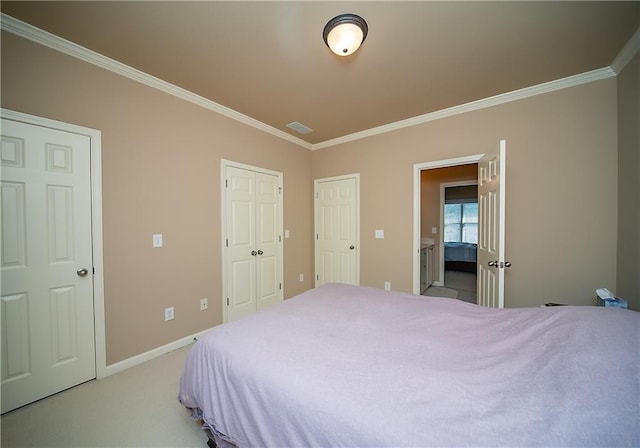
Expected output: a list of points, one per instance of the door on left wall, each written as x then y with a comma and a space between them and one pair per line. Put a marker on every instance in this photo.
47, 312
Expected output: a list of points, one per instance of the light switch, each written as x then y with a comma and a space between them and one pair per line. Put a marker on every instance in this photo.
434, 230
286, 233
157, 240
379, 233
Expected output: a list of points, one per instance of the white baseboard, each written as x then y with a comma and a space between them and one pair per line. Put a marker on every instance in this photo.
151, 354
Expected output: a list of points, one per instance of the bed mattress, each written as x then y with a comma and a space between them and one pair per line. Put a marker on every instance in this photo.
353, 366
466, 252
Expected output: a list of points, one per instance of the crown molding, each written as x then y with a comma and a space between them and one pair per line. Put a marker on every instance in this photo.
627, 53
30, 32
503, 98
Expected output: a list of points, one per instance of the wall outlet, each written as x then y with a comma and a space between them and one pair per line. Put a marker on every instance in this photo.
434, 230
379, 234
301, 277
168, 313
204, 304
157, 240
387, 286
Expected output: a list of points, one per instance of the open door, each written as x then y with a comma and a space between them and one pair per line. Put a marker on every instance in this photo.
491, 211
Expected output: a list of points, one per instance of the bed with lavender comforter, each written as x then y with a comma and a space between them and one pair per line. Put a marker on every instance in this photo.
355, 366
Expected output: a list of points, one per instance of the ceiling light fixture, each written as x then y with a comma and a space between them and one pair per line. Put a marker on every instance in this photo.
345, 33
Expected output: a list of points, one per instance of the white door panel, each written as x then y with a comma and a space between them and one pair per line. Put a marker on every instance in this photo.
268, 236
337, 230
491, 210
47, 308
253, 242
240, 242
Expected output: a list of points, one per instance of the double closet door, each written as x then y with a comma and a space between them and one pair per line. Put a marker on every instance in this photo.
252, 239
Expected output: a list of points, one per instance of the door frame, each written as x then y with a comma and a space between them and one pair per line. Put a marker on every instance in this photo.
95, 139
417, 168
356, 177
224, 163
443, 187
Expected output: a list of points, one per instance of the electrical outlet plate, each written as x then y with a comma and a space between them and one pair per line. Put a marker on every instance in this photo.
204, 304
387, 286
168, 313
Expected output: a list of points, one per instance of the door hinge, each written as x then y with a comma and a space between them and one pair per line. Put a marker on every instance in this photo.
226, 183
279, 238
280, 285
226, 242
318, 277
227, 301
279, 190
317, 236
93, 271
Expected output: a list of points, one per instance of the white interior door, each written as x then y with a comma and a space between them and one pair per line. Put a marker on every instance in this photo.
253, 240
491, 210
267, 241
337, 224
240, 243
47, 310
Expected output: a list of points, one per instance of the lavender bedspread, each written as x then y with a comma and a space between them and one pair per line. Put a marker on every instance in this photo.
354, 366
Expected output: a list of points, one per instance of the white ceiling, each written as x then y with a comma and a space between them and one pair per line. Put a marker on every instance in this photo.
267, 60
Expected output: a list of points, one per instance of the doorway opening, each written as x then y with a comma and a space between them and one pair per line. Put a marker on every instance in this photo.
459, 232
430, 181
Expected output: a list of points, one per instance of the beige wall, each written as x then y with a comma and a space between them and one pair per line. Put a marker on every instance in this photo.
628, 286
161, 174
430, 211
161, 165
561, 212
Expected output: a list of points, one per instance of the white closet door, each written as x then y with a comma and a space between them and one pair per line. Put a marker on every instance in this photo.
240, 242
47, 291
268, 275
253, 240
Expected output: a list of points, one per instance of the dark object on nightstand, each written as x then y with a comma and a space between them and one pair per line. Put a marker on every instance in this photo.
554, 304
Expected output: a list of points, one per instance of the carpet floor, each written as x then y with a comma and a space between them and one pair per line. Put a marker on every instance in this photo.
134, 408
464, 283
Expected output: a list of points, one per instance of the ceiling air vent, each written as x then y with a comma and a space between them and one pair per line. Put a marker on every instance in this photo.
299, 127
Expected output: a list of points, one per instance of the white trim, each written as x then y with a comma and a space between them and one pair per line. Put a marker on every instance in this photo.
95, 139
417, 168
355, 176
627, 53
503, 98
443, 186
27, 31
224, 163
47, 39
154, 353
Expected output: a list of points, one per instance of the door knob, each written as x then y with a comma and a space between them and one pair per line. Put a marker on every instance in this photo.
352, 247
507, 264
493, 263
82, 272
260, 252
254, 253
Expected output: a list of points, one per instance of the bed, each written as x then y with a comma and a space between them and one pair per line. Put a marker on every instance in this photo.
344, 365
459, 256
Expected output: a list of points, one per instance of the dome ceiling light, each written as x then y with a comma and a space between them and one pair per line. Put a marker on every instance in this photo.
345, 33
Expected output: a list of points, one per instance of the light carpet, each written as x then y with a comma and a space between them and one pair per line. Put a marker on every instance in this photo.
134, 408
441, 291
